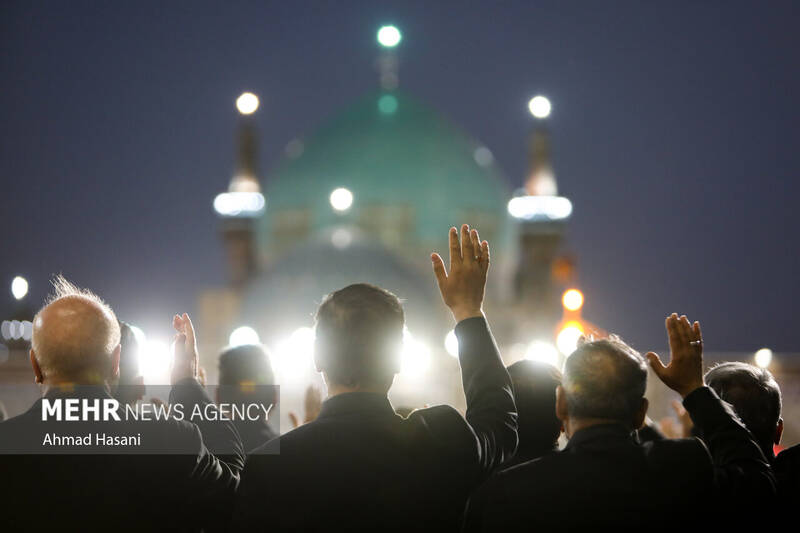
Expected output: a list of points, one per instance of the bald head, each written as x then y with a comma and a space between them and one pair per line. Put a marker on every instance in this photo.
75, 337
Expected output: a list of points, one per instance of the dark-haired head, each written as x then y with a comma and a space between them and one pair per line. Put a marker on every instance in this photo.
604, 382
756, 398
359, 332
242, 369
535, 385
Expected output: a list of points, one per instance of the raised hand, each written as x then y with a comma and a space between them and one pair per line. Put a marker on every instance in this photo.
684, 373
184, 361
462, 288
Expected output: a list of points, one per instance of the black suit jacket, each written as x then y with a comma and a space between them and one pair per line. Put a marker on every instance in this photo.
361, 466
787, 471
605, 478
189, 488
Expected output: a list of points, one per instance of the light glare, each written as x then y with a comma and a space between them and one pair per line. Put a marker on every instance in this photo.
543, 352
389, 36
451, 343
294, 356
539, 106
154, 362
572, 299
341, 199
763, 357
540, 207
567, 339
247, 103
19, 287
239, 204
415, 356
243, 335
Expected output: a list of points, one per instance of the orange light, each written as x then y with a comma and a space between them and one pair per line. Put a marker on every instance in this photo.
567, 338
572, 299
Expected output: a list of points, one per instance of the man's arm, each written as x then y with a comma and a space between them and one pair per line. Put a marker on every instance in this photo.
491, 412
220, 454
740, 469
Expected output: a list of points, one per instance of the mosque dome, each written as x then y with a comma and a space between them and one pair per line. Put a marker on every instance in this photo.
411, 172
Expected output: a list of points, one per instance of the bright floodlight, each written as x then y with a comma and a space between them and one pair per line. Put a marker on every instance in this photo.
389, 36
239, 204
415, 356
539, 107
19, 287
341, 199
567, 339
243, 335
544, 208
247, 103
763, 357
154, 362
572, 299
543, 352
294, 356
451, 343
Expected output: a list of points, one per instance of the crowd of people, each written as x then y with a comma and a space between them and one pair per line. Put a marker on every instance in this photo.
354, 463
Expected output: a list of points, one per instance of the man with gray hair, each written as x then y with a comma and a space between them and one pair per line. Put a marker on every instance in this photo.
605, 478
756, 398
180, 475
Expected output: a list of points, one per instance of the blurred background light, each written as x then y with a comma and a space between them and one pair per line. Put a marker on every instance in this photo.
19, 287
293, 358
567, 339
451, 343
14, 330
763, 357
154, 362
243, 335
483, 156
341, 238
387, 104
540, 207
294, 148
234, 204
415, 356
389, 36
341, 199
572, 299
543, 352
539, 106
247, 103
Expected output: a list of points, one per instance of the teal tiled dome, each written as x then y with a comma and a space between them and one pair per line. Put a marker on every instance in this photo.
411, 171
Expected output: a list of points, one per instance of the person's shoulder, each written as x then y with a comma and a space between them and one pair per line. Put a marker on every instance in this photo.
292, 440
443, 425
436, 414
11, 423
788, 458
168, 435
680, 456
690, 447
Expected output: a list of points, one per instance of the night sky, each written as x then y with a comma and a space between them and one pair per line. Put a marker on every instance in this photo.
675, 132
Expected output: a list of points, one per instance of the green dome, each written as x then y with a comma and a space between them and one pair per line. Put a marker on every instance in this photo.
411, 171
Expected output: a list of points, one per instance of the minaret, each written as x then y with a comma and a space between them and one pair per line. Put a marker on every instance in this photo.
541, 216
243, 203
388, 37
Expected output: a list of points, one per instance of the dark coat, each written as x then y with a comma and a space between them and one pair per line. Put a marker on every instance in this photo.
605, 478
184, 487
359, 465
